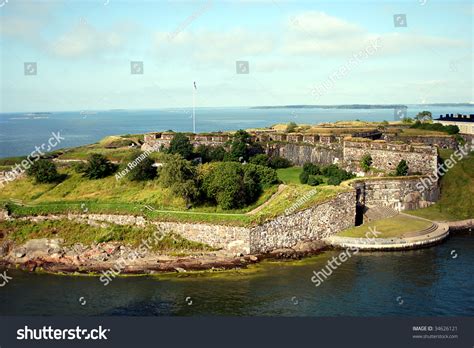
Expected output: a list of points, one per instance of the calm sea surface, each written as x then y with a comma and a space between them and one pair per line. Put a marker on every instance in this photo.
20, 132
436, 281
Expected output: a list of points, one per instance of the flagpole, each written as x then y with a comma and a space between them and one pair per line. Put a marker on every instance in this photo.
194, 106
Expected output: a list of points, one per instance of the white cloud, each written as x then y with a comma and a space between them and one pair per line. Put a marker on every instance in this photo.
85, 40
211, 46
318, 33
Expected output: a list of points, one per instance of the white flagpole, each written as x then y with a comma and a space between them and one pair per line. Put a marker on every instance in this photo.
194, 106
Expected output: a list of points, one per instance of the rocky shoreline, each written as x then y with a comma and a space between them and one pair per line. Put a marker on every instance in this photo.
50, 255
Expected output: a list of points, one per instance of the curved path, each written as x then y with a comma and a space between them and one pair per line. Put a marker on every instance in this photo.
414, 239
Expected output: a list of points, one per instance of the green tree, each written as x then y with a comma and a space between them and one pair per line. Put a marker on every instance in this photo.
98, 166
366, 162
311, 168
424, 116
402, 168
239, 146
181, 177
291, 127
260, 159
180, 144
143, 169
276, 162
315, 180
304, 176
43, 171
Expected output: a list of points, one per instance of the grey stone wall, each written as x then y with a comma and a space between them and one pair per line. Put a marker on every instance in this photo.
386, 156
299, 154
445, 142
314, 223
400, 194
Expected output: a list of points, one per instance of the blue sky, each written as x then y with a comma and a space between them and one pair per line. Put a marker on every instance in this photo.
299, 52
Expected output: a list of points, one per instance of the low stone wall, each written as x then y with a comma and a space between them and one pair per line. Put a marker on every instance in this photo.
400, 194
442, 141
314, 223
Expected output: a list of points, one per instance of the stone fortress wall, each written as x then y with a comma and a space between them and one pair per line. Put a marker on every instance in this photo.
346, 149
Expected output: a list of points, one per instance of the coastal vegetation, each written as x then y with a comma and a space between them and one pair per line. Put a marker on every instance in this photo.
457, 192
20, 231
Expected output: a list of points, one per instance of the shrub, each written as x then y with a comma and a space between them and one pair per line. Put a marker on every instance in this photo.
181, 177
260, 159
304, 176
277, 162
98, 166
335, 174
265, 176
333, 180
366, 162
436, 127
181, 145
239, 147
402, 168
225, 185
143, 170
311, 168
79, 167
291, 127
43, 171
315, 180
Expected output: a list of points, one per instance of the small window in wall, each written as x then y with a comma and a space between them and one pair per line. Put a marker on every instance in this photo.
389, 163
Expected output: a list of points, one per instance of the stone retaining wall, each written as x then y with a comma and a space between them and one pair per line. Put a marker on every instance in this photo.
300, 154
314, 223
400, 194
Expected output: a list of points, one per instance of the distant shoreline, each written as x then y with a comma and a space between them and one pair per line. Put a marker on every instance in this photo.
360, 106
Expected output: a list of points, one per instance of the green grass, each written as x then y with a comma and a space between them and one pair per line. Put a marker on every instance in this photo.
395, 226
72, 232
457, 192
290, 175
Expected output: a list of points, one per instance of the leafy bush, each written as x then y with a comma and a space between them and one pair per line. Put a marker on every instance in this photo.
79, 167
402, 168
227, 185
315, 180
265, 176
304, 176
239, 147
277, 162
210, 153
181, 176
436, 127
335, 174
181, 145
143, 170
366, 162
291, 127
260, 159
98, 166
333, 180
43, 171
311, 168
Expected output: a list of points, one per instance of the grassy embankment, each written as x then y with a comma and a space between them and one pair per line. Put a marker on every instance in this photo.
457, 192
74, 232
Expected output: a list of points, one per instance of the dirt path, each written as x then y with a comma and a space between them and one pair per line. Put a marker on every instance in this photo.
260, 207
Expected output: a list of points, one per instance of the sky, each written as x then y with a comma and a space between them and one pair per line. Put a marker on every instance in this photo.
298, 52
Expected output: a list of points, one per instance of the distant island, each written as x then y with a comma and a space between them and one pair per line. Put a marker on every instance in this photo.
358, 106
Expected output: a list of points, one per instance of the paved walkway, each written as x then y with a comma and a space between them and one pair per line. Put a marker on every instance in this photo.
411, 240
